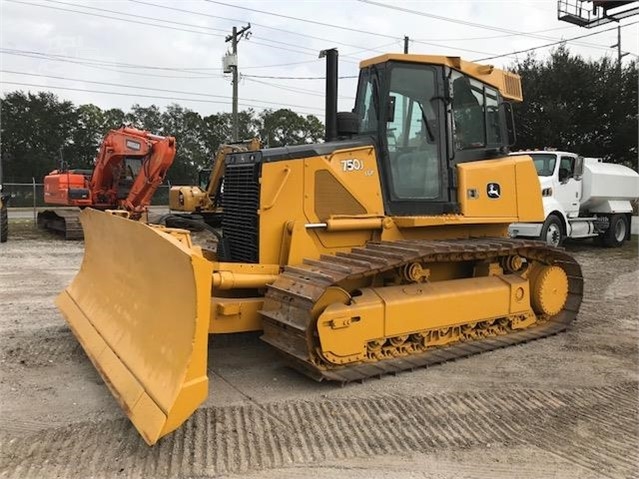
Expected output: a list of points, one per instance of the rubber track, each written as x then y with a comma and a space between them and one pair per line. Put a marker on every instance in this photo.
65, 222
288, 323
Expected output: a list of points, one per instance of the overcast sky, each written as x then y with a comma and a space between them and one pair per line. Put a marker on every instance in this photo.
182, 50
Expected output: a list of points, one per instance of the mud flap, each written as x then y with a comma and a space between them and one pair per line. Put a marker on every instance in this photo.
140, 307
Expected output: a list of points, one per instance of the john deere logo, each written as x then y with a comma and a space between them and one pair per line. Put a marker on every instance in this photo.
493, 190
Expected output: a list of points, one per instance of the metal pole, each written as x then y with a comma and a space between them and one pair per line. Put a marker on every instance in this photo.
35, 215
620, 55
234, 38
236, 126
405, 44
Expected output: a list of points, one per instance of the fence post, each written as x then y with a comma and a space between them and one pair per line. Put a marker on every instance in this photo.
35, 215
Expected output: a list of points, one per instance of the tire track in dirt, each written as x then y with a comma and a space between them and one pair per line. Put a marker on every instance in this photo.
40, 347
594, 428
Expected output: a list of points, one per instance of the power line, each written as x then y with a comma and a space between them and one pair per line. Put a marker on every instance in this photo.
315, 22
105, 62
154, 24
194, 70
104, 68
255, 24
113, 18
293, 89
470, 24
297, 78
491, 37
75, 5
99, 67
186, 25
339, 27
136, 95
552, 44
153, 89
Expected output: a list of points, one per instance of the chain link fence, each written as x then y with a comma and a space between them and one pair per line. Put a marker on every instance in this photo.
31, 195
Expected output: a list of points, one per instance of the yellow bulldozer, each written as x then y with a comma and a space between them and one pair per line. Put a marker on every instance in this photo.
382, 249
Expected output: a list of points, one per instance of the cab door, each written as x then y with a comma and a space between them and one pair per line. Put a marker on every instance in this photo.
568, 186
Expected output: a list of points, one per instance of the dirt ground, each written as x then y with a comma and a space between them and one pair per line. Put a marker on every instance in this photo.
561, 407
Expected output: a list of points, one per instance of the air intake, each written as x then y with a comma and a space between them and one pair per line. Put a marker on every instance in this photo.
240, 204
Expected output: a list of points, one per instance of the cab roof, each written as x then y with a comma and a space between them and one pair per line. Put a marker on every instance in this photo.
508, 84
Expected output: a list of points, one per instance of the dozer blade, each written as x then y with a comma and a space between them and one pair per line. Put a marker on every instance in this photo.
140, 307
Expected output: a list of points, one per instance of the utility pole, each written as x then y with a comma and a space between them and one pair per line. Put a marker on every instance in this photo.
230, 65
620, 55
405, 44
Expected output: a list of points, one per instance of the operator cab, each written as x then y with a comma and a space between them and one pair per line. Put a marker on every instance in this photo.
425, 116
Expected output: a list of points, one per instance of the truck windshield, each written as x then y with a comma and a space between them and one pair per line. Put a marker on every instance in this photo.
544, 163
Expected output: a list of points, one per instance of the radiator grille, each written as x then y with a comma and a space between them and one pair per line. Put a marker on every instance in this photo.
240, 203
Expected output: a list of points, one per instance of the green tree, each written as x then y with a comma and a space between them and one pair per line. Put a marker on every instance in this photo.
184, 125
585, 106
85, 137
285, 127
35, 129
147, 118
218, 129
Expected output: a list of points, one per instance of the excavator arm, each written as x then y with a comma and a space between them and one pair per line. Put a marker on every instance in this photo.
218, 166
130, 166
151, 176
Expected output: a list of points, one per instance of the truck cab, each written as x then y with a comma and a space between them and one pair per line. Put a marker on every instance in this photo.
582, 198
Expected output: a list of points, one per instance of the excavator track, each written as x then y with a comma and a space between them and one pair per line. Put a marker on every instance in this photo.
63, 222
290, 312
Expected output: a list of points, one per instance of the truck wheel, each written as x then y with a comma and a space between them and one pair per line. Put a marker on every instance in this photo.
553, 231
4, 224
615, 235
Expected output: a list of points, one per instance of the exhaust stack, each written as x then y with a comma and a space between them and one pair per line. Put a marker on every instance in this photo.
331, 93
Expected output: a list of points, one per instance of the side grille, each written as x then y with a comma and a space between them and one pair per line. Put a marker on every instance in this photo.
512, 87
240, 202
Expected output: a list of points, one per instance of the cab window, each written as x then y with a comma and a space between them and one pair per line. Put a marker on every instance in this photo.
412, 133
476, 118
566, 167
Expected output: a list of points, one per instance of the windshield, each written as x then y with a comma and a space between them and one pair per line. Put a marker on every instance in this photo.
544, 163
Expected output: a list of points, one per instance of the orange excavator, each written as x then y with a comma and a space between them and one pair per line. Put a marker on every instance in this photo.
130, 166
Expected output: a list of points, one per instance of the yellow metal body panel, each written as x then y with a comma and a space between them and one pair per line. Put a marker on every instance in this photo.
344, 330
289, 191
141, 320
519, 199
285, 239
235, 315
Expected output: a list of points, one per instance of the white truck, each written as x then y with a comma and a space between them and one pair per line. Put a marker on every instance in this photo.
582, 198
